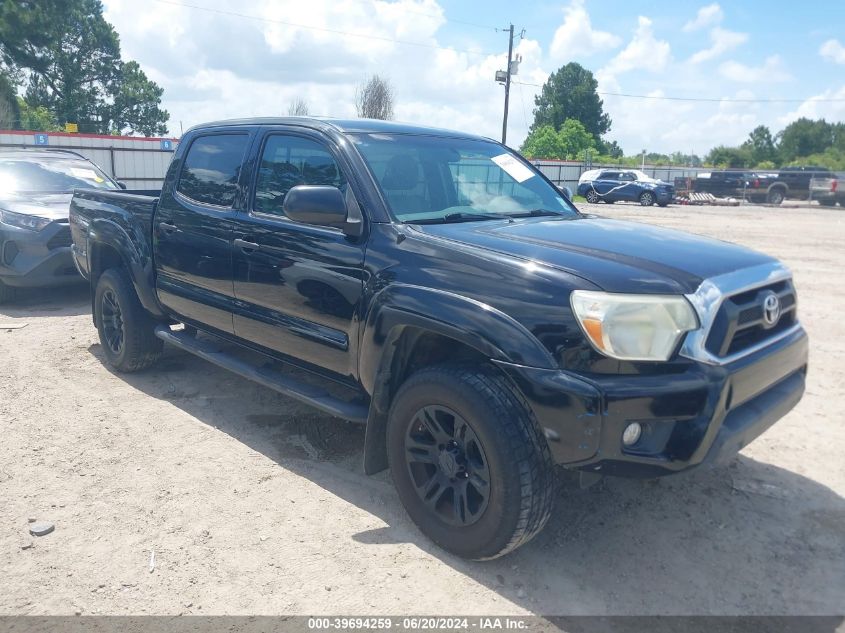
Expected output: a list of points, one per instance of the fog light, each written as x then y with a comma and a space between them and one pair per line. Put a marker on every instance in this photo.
631, 434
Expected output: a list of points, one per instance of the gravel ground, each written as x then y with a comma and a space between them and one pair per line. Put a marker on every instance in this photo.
186, 489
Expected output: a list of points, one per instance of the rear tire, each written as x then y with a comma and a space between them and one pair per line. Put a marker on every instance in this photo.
827, 203
7, 293
469, 461
775, 196
646, 198
126, 330
592, 196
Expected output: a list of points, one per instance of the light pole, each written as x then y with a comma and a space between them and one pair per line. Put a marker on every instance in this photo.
642, 167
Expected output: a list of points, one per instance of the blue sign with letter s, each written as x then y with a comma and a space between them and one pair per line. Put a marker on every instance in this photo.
42, 139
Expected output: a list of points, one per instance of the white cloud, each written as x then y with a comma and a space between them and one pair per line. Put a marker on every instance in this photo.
643, 52
722, 41
706, 16
833, 50
576, 36
213, 65
828, 105
771, 71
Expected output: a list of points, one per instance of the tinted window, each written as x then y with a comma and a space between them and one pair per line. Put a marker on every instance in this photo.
288, 161
211, 169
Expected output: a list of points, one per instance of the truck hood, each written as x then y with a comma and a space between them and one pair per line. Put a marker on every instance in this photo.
54, 206
616, 255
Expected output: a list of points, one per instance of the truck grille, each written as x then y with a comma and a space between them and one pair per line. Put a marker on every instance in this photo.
740, 322
61, 239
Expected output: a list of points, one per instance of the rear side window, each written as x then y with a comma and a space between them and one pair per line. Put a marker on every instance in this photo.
212, 168
288, 161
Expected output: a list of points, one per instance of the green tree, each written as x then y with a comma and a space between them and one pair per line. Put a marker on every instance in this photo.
723, 156
760, 145
610, 148
10, 112
69, 59
136, 102
570, 93
37, 118
804, 137
569, 142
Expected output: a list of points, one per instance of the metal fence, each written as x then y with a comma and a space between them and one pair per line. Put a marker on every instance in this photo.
139, 162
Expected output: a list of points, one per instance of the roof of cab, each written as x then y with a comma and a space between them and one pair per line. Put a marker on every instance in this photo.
352, 126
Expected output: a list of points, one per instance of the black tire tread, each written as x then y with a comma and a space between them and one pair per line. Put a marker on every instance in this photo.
533, 457
142, 347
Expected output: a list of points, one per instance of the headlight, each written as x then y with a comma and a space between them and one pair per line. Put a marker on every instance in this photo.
23, 220
633, 327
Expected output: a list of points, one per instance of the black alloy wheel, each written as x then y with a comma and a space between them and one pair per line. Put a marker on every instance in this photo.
447, 465
111, 318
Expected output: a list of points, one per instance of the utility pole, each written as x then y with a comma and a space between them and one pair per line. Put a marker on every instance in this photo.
507, 87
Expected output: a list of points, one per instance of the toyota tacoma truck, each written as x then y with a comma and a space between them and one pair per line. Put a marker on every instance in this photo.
436, 287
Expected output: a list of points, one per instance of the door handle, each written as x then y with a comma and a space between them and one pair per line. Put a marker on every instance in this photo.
165, 227
245, 246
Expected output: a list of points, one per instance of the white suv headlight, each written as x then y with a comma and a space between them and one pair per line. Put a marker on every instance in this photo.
633, 327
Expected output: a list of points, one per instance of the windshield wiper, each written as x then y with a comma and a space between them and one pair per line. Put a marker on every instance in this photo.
460, 216
535, 213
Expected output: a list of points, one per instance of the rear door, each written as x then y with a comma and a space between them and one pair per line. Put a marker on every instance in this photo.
298, 287
192, 232
606, 184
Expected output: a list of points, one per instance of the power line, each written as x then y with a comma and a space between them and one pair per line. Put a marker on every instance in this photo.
323, 29
704, 99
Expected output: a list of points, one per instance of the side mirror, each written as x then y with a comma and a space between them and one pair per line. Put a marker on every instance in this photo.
121, 184
321, 205
566, 191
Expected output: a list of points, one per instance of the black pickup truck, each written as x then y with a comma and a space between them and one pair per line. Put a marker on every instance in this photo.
761, 186
436, 287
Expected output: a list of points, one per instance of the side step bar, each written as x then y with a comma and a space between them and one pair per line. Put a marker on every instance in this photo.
286, 385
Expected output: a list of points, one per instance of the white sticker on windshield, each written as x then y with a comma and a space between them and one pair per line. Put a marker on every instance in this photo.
87, 174
513, 167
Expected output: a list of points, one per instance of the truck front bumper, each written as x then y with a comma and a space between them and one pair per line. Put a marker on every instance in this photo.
707, 413
36, 258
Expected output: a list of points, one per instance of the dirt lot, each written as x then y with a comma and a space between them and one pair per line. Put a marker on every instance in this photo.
252, 503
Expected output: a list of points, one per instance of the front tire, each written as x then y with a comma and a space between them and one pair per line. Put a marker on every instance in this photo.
775, 197
126, 330
469, 461
646, 198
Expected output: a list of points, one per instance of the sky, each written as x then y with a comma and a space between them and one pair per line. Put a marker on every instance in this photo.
746, 63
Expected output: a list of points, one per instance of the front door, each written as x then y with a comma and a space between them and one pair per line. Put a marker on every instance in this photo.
298, 287
192, 232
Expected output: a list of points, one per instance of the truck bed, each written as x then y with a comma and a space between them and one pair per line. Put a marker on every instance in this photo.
127, 211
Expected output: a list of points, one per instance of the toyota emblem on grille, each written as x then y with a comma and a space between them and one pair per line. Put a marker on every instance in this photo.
771, 309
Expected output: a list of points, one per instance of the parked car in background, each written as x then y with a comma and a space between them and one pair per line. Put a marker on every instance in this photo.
630, 185
35, 191
440, 290
744, 185
828, 191
760, 186
794, 182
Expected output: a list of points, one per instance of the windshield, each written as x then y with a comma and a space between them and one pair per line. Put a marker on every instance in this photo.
441, 179
49, 175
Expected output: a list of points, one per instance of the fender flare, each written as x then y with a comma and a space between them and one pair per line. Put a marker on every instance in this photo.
478, 325
136, 257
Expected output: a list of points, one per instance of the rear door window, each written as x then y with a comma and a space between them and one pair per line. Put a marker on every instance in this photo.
212, 168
